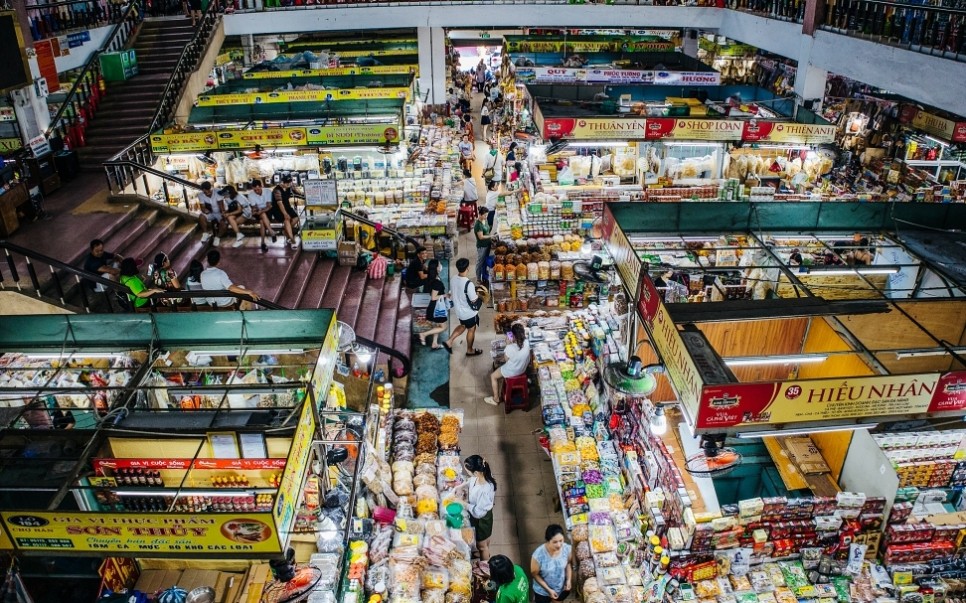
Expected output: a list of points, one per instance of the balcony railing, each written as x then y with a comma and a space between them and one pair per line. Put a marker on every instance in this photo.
247, 5
53, 19
785, 10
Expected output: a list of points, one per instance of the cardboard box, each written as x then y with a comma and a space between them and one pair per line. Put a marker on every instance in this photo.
255, 581
152, 581
229, 586
193, 578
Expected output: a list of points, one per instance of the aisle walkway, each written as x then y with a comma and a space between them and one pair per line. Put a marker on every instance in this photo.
526, 488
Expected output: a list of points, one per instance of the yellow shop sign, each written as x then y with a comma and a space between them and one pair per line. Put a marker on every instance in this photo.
302, 96
332, 72
270, 137
130, 533
352, 134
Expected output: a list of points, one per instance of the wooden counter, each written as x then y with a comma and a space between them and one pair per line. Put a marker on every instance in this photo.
9, 202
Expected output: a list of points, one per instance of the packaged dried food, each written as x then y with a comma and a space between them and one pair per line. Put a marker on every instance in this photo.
435, 578
590, 586
580, 534
582, 551
707, 589
607, 576
596, 597
586, 569
602, 538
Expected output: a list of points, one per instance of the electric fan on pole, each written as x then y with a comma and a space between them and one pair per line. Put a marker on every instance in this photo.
291, 583
593, 271
714, 459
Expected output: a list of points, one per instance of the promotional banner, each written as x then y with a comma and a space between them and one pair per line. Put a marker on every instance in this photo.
352, 134
769, 131
748, 404
184, 143
594, 128
46, 64
271, 137
9, 145
393, 52
562, 75
130, 533
333, 71
670, 128
302, 96
622, 44
663, 333
291, 483
238, 464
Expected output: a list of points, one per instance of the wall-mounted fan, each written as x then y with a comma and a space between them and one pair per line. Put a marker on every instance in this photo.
714, 459
632, 378
593, 271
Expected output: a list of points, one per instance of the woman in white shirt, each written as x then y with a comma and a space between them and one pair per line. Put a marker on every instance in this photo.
482, 494
517, 360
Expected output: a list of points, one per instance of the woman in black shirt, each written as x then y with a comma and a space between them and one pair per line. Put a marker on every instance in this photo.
434, 286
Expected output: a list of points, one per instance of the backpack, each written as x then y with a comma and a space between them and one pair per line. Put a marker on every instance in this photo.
475, 304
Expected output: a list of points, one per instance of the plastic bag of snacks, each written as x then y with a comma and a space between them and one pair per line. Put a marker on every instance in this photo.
602, 538
434, 595
579, 534
435, 578
586, 569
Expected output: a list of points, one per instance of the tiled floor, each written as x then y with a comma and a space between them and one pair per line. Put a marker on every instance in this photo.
526, 489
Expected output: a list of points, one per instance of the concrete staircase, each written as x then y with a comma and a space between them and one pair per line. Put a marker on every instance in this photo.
128, 107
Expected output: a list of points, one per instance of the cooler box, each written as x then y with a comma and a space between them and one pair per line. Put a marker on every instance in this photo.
119, 66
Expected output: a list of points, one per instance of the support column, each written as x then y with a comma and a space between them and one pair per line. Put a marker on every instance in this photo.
432, 64
689, 45
809, 79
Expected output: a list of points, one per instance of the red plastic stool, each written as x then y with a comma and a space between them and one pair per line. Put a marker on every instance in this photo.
516, 394
466, 216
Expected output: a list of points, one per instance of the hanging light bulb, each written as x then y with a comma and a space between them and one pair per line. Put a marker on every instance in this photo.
587, 247
659, 422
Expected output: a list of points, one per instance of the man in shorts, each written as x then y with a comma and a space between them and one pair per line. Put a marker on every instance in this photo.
260, 201
282, 210
468, 317
211, 216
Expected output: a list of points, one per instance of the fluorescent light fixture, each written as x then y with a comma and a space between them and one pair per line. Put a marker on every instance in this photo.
284, 150
852, 271
251, 352
938, 141
793, 432
699, 239
186, 492
765, 360
57, 355
692, 144
602, 143
927, 352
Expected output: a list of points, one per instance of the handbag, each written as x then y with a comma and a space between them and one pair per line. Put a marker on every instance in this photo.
475, 304
488, 173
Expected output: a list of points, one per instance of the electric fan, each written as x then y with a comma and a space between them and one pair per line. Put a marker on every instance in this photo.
297, 588
714, 459
347, 336
592, 271
632, 378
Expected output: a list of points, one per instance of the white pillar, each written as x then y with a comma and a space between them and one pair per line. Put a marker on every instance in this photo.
689, 45
810, 83
432, 64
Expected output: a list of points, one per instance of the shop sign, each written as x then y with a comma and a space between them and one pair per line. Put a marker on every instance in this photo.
333, 71
291, 483
7, 114
5, 544
625, 258
9, 145
318, 239
550, 75
271, 137
768, 131
352, 134
939, 126
678, 364
138, 534
118, 573
693, 129
661, 78
392, 52
184, 143
184, 464
302, 96
46, 55
747, 404
652, 44
594, 128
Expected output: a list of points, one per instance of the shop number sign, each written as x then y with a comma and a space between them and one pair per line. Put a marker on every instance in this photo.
131, 534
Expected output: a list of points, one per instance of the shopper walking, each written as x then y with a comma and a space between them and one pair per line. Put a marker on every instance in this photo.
466, 305
437, 312
511, 580
485, 117
484, 241
494, 166
552, 567
517, 360
492, 197
480, 498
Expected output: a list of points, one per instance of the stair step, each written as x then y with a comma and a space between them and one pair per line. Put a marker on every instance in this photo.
335, 288
146, 245
403, 338
388, 311
348, 308
192, 249
297, 282
367, 315
177, 241
316, 284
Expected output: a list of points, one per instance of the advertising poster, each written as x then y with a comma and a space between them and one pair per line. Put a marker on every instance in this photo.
769, 131
130, 534
184, 143
302, 96
332, 71
594, 128
271, 137
352, 134
693, 129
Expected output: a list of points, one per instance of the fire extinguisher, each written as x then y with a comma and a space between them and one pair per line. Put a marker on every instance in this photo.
101, 85
77, 133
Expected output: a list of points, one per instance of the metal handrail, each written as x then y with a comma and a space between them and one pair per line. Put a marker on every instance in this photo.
92, 62
114, 287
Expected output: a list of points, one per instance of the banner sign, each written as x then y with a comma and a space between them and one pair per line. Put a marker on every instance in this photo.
594, 128
137, 534
939, 126
620, 44
620, 249
291, 483
746, 404
303, 96
393, 52
46, 63
238, 464
275, 137
352, 134
9, 145
562, 75
331, 72
663, 333
768, 131
693, 129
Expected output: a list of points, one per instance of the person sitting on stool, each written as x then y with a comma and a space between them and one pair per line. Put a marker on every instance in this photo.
517, 361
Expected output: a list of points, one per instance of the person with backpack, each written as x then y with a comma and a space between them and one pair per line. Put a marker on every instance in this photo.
466, 306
